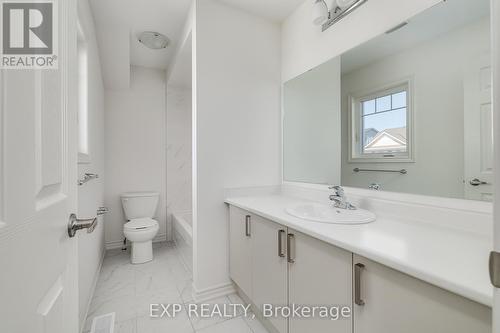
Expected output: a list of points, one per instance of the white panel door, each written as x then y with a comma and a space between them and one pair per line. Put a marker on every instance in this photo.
478, 130
269, 267
38, 267
495, 30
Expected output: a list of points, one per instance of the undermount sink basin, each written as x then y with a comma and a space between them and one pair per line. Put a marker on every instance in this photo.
329, 214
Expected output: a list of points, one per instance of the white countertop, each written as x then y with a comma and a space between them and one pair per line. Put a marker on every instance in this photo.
449, 258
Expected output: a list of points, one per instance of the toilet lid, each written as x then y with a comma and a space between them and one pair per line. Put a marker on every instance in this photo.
142, 223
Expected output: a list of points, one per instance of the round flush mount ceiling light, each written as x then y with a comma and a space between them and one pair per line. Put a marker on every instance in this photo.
319, 12
154, 40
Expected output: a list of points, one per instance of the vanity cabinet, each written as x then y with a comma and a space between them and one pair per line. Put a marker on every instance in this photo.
273, 264
276, 265
393, 302
269, 277
240, 254
319, 274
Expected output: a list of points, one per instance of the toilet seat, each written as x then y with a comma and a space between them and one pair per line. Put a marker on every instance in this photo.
140, 224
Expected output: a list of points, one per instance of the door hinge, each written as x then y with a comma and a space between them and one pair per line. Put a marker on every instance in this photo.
494, 266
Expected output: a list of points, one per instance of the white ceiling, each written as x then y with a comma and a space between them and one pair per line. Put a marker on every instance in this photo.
118, 22
164, 16
275, 10
442, 18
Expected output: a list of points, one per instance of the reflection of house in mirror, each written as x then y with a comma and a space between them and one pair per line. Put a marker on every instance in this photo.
392, 140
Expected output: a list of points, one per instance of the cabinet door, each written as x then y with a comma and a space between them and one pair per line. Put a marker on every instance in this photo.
395, 302
320, 274
269, 267
240, 249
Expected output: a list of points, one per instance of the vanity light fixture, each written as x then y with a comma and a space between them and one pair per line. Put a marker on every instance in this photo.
340, 9
320, 12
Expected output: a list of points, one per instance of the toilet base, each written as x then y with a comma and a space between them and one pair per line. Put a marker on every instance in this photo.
142, 252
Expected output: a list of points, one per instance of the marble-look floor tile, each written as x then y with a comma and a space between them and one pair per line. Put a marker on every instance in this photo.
200, 322
179, 324
165, 296
128, 326
115, 281
186, 291
128, 290
236, 325
124, 307
147, 282
254, 324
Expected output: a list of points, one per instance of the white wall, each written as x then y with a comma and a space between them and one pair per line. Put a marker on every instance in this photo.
91, 195
179, 152
304, 46
236, 116
437, 69
135, 147
311, 126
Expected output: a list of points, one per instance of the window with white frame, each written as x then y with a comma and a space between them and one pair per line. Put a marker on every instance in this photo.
381, 125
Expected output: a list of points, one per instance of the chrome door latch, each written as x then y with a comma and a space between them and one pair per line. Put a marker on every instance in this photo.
76, 224
494, 266
477, 182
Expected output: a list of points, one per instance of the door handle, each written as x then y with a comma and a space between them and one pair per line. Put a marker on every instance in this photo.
290, 245
247, 226
494, 268
281, 252
478, 182
357, 284
76, 224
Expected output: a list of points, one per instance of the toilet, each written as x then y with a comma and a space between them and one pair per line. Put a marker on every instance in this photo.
141, 228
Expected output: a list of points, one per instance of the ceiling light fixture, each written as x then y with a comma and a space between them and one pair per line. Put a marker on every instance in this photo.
154, 40
340, 9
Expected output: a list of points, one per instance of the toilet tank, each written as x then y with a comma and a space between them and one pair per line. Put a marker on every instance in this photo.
140, 204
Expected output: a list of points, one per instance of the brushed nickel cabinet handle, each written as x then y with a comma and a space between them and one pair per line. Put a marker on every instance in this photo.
281, 252
358, 268
290, 245
247, 226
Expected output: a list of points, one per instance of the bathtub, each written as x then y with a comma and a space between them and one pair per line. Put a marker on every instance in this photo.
182, 225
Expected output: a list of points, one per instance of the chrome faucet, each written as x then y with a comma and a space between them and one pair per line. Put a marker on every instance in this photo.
339, 198
375, 187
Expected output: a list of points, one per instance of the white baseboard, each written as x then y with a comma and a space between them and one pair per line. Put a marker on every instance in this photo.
208, 294
92, 292
111, 245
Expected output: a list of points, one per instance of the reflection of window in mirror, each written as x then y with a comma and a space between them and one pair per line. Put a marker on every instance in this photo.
83, 138
381, 125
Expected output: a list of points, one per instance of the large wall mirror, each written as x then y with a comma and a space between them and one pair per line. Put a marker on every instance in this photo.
409, 111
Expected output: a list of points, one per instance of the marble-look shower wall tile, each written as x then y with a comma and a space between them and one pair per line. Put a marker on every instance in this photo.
179, 152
